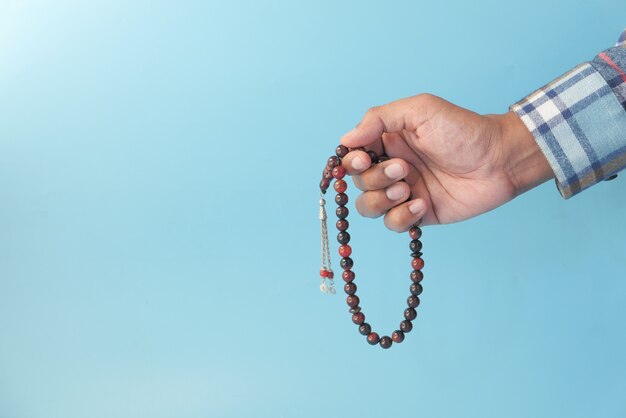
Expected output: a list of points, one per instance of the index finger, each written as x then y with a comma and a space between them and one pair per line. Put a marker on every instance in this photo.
393, 117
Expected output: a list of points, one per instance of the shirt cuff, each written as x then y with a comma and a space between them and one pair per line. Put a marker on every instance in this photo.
579, 125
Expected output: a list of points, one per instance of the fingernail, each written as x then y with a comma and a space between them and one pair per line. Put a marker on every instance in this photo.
395, 192
416, 207
394, 171
358, 163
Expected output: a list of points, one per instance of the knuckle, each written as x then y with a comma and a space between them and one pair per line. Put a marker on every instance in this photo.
393, 222
372, 112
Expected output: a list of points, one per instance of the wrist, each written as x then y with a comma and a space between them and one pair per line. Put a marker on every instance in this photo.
524, 162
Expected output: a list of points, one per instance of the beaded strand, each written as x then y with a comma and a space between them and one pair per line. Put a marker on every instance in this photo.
334, 170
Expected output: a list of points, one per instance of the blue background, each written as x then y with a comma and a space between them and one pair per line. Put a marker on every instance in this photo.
158, 216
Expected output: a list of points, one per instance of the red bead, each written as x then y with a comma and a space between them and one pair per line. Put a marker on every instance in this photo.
345, 250
324, 273
417, 263
358, 318
373, 338
340, 186
347, 276
339, 172
331, 275
352, 301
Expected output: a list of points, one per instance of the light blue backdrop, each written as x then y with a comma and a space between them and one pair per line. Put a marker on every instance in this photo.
158, 220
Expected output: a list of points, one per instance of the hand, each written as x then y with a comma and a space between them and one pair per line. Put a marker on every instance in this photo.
455, 163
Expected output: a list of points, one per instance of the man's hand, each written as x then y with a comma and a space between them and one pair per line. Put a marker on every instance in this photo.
455, 163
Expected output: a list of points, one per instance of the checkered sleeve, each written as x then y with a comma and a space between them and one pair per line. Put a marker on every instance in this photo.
579, 120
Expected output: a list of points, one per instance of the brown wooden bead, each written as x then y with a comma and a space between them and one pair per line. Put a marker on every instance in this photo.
415, 232
365, 328
345, 250
417, 263
324, 185
342, 224
358, 318
340, 186
416, 289
333, 162
341, 199
341, 151
349, 288
347, 276
409, 313
327, 174
413, 301
353, 301
385, 342
406, 326
373, 338
416, 276
342, 212
397, 336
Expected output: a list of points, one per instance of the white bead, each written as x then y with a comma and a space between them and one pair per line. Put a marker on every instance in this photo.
324, 288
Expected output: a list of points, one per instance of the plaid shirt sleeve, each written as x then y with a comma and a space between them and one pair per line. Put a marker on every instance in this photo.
579, 120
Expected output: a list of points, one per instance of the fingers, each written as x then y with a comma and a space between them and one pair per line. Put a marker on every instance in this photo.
403, 216
356, 162
382, 175
376, 202
393, 117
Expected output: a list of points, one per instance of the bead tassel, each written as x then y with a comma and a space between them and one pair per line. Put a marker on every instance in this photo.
335, 170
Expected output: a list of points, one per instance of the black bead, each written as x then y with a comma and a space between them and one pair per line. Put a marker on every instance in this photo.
350, 289
406, 326
333, 162
365, 328
410, 314
341, 199
342, 212
343, 237
417, 276
383, 158
373, 156
416, 289
354, 310
415, 245
341, 151
346, 263
417, 254
413, 301
385, 342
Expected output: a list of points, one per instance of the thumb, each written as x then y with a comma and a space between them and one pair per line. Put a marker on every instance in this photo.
396, 116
